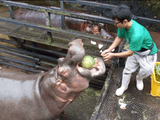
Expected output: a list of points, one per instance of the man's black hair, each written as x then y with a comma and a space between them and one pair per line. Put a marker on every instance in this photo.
121, 13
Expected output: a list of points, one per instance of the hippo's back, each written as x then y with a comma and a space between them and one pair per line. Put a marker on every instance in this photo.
20, 98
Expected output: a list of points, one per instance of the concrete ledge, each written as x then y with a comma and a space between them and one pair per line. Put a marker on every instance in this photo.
103, 94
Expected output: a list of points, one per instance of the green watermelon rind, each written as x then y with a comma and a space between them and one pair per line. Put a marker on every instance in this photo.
88, 62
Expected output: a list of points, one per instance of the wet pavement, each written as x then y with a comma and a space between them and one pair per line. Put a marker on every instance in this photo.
132, 105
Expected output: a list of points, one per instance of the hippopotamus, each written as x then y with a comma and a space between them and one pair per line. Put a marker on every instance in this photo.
70, 23
44, 96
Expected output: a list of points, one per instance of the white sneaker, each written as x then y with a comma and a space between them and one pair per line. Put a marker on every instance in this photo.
120, 91
140, 84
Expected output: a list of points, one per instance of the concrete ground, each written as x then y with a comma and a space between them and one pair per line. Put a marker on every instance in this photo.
132, 105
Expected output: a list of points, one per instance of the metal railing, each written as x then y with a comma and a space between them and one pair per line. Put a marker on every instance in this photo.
64, 13
61, 11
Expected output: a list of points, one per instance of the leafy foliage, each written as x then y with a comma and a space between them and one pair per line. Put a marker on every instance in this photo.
157, 72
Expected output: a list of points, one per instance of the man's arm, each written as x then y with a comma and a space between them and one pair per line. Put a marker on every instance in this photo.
115, 43
109, 56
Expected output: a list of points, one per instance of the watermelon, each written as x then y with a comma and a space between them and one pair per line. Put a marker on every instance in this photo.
88, 62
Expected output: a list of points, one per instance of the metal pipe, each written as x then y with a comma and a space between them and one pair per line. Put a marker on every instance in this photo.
20, 55
77, 15
11, 12
8, 41
46, 63
95, 86
58, 54
37, 60
20, 67
97, 83
58, 11
48, 24
32, 54
82, 35
17, 61
23, 63
41, 68
62, 16
93, 4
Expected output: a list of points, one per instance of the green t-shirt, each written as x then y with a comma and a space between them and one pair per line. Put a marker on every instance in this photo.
137, 37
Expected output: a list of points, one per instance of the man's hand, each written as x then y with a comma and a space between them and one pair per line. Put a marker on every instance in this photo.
108, 56
105, 52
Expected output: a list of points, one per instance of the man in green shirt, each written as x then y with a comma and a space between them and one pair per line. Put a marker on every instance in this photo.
142, 52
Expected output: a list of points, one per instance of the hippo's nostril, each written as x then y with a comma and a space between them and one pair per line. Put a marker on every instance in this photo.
60, 70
